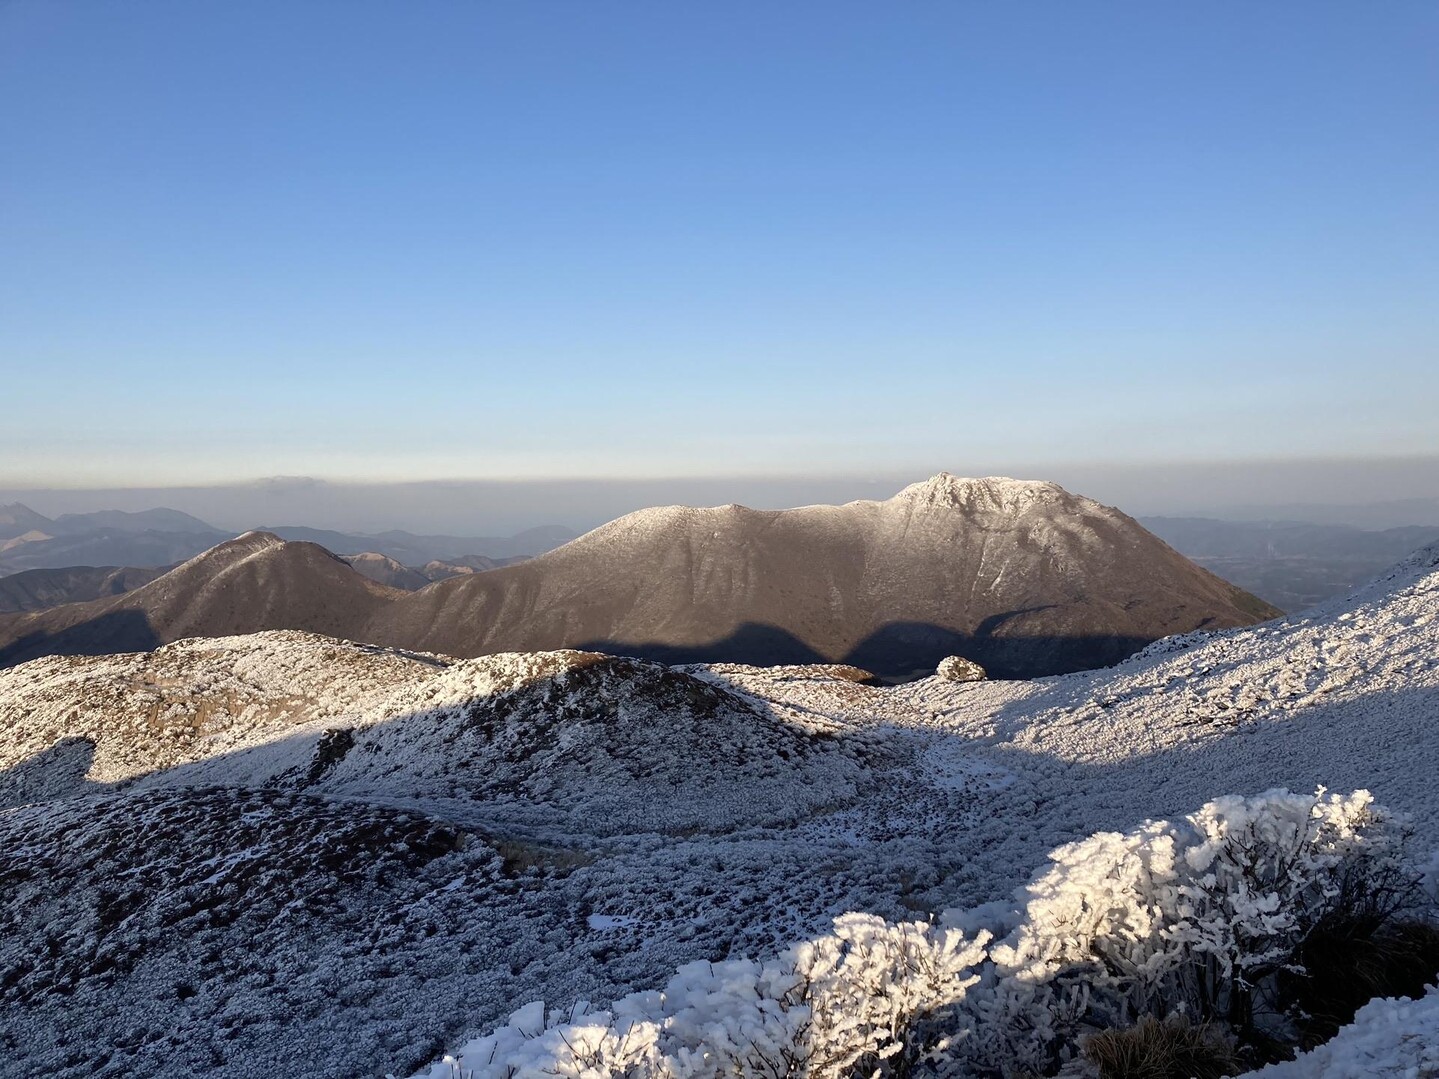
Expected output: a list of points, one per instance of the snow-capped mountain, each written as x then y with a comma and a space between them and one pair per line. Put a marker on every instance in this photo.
285, 854
1020, 576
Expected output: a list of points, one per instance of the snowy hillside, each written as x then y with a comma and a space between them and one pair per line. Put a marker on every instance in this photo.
281, 854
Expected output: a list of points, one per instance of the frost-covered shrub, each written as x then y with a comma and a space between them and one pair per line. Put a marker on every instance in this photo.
1192, 917
1196, 920
870, 998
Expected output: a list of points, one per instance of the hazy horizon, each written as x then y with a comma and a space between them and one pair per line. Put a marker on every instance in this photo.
1369, 493
454, 240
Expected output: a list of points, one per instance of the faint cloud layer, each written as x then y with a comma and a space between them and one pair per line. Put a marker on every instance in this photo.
1373, 493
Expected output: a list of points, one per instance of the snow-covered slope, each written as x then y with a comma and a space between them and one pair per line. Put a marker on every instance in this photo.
572, 741
643, 817
1389, 1039
73, 722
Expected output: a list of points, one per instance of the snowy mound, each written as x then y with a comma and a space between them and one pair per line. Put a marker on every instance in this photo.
619, 744
119, 717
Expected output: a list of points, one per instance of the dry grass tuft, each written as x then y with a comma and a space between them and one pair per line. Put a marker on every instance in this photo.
1172, 1048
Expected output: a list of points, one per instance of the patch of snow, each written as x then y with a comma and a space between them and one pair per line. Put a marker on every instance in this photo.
1389, 1039
603, 922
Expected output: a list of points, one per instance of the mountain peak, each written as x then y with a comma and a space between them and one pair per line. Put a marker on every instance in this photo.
256, 538
18, 511
18, 519
244, 546
946, 490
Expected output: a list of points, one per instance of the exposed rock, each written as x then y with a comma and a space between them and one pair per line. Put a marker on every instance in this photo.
959, 669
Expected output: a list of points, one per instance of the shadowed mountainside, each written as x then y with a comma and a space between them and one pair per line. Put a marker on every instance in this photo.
37, 589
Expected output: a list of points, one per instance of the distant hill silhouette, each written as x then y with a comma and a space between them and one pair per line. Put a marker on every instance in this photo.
1292, 564
163, 537
37, 589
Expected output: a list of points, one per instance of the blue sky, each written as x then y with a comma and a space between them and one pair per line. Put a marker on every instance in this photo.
435, 240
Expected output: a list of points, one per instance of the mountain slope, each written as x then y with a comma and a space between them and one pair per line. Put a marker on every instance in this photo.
386, 571
1023, 577
38, 589
16, 519
252, 583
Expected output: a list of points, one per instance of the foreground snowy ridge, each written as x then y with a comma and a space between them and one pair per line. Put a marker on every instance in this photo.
1118, 927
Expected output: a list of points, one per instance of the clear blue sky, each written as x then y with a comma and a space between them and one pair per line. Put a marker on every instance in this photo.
473, 239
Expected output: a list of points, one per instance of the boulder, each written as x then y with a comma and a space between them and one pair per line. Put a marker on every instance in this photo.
959, 669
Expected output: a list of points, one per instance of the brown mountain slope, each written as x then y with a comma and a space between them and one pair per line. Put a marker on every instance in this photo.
252, 583
382, 569
1023, 577
37, 589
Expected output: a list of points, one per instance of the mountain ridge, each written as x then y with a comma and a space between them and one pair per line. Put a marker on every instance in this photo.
1021, 576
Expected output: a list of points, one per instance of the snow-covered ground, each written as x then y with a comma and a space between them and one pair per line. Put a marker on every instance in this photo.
1389, 1039
567, 827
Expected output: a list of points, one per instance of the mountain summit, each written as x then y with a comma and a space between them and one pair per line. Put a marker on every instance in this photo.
1020, 575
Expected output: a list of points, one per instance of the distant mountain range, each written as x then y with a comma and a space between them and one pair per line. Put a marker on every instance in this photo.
1292, 565
163, 537
1020, 576
46, 562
